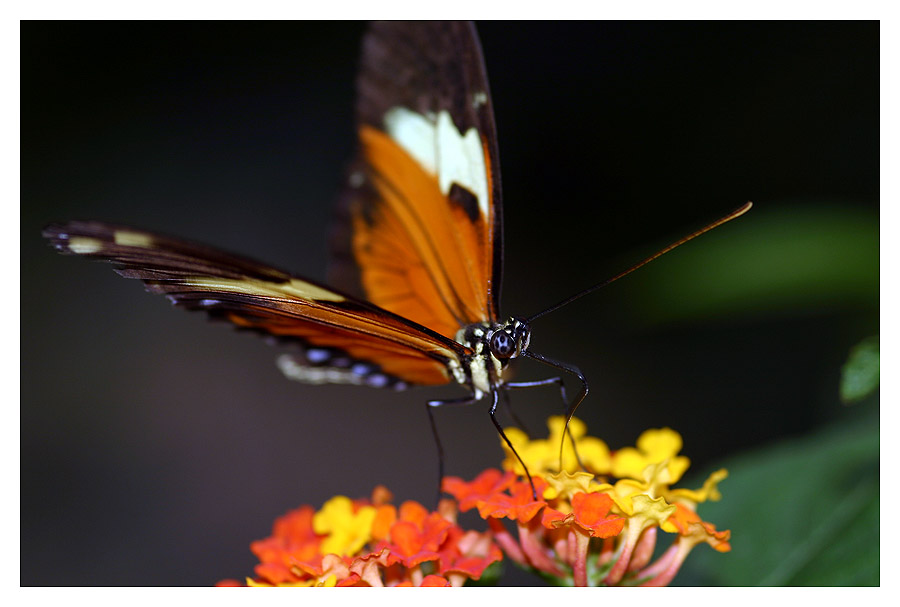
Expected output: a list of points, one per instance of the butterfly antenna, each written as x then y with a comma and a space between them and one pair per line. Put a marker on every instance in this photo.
734, 214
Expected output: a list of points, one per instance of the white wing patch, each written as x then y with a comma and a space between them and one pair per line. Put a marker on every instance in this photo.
442, 150
415, 134
83, 245
316, 375
359, 374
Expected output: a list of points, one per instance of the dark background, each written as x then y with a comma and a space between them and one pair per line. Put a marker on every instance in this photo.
155, 446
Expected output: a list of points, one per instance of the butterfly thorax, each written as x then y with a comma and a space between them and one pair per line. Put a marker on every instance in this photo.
493, 345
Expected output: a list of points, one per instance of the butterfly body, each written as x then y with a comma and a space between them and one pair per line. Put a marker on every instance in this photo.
493, 345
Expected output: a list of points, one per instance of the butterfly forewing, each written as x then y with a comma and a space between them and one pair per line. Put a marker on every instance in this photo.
423, 202
345, 339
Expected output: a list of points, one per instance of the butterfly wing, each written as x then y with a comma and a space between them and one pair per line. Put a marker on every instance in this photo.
422, 208
343, 340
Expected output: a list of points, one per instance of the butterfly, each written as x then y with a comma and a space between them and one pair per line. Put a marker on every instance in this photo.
418, 257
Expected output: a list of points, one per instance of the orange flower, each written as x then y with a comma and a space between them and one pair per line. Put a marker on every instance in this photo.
587, 519
485, 486
371, 543
416, 536
518, 505
467, 555
685, 521
589, 511
293, 540
430, 581
497, 495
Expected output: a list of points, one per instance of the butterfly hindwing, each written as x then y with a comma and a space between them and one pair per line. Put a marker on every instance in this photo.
343, 339
423, 202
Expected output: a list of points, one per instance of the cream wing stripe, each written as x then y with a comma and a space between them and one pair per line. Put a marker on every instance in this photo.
295, 288
442, 150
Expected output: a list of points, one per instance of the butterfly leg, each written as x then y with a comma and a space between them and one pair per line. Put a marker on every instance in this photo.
512, 414
562, 392
570, 408
496, 395
465, 400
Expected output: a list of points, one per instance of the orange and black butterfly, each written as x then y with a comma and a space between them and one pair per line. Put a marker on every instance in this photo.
421, 242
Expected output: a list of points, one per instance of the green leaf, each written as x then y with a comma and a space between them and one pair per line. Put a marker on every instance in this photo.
803, 512
861, 373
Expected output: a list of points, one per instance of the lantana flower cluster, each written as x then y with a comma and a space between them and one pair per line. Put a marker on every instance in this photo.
371, 542
598, 519
591, 518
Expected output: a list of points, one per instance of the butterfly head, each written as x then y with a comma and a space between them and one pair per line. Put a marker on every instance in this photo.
510, 339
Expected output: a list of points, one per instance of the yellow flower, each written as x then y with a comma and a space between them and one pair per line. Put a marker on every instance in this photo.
565, 485
646, 512
709, 491
347, 531
650, 511
542, 455
622, 493
653, 446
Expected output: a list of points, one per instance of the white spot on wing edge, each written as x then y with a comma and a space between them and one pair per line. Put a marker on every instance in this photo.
357, 179
315, 375
443, 150
82, 245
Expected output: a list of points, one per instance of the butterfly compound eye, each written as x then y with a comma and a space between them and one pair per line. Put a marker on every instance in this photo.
502, 344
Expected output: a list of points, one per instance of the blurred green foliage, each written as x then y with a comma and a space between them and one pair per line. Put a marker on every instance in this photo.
802, 512
777, 257
861, 374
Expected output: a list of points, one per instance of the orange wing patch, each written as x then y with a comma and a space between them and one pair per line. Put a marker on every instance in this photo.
420, 254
